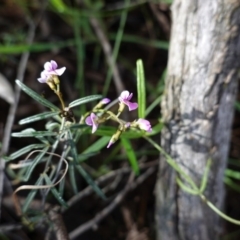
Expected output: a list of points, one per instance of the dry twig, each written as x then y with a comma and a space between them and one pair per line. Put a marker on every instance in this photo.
102, 214
13, 108
109, 56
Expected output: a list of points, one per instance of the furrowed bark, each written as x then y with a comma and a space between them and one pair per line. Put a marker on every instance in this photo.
197, 109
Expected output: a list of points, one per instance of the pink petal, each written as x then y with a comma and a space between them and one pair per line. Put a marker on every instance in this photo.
94, 127
42, 80
88, 121
60, 71
129, 97
109, 144
124, 95
48, 66
53, 65
131, 106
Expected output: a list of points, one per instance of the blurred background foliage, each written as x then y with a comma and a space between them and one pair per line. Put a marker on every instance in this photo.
99, 41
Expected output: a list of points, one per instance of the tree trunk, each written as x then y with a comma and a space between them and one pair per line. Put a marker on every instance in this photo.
197, 109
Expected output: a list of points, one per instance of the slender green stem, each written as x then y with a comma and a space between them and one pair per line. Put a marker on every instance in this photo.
173, 164
220, 213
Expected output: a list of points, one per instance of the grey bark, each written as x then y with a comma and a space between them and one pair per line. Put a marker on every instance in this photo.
197, 109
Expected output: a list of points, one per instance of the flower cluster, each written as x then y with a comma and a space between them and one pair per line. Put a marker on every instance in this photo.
98, 115
50, 74
124, 100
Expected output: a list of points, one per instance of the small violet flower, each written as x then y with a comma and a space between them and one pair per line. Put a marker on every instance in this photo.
144, 124
92, 121
125, 98
51, 68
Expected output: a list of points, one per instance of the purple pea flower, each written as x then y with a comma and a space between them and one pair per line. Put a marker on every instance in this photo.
51, 68
125, 98
144, 124
92, 121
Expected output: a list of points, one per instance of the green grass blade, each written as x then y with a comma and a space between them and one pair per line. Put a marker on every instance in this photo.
155, 103
237, 106
36, 47
232, 173
229, 182
36, 96
141, 89
24, 150
128, 38
131, 154
38, 117
84, 100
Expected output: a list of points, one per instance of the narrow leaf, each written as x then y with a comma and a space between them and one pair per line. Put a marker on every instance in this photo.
24, 150
95, 147
131, 155
90, 181
73, 182
29, 133
232, 173
55, 193
31, 195
38, 117
235, 186
141, 89
36, 96
35, 162
81, 170
84, 100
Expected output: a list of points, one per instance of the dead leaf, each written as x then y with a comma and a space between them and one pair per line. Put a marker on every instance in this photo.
6, 90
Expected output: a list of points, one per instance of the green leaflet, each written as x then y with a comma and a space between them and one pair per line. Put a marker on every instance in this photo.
24, 150
31, 195
36, 96
38, 117
30, 132
84, 100
54, 191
